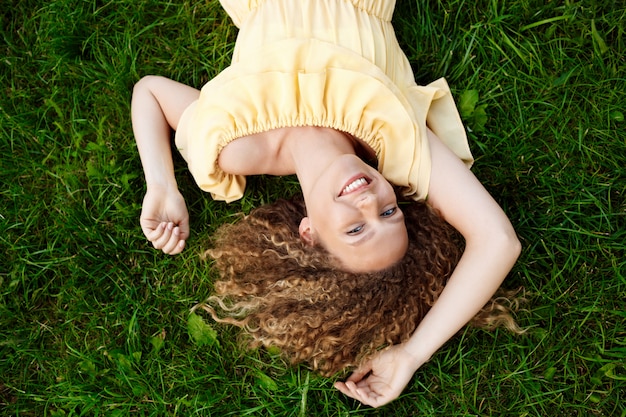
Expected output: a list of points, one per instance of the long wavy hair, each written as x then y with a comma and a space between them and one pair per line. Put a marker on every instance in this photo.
289, 295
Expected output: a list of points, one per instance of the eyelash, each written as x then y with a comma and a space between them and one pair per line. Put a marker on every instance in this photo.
386, 213
391, 212
356, 230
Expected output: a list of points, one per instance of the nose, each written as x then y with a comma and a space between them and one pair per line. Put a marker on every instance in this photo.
368, 204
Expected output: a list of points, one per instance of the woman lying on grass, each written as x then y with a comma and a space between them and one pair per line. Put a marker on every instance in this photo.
321, 89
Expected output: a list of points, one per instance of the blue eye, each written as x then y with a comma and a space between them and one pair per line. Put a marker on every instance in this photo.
389, 212
356, 230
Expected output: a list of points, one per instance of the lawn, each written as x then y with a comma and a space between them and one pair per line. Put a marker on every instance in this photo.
94, 322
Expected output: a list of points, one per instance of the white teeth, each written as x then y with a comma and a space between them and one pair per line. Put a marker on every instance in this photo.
354, 185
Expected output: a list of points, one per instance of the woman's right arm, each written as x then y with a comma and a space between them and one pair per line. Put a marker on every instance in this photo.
157, 106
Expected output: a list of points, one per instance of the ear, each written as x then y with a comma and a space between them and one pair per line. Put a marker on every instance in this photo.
306, 232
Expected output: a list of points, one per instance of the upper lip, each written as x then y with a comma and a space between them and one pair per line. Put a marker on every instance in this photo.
353, 179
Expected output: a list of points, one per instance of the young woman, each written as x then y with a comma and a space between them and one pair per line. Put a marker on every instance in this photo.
319, 88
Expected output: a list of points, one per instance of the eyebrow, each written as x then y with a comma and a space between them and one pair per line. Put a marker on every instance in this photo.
369, 235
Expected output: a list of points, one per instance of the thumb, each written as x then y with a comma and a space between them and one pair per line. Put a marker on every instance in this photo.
360, 372
184, 228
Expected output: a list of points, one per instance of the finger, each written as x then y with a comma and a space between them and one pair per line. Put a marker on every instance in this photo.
347, 388
378, 401
376, 395
153, 234
371, 382
347, 391
368, 391
343, 389
356, 393
148, 228
368, 396
184, 229
365, 396
173, 245
181, 246
166, 234
360, 372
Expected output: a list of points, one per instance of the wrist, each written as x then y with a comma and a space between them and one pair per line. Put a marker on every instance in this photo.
158, 172
161, 185
415, 354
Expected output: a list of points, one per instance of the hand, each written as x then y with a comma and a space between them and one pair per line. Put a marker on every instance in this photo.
164, 219
382, 378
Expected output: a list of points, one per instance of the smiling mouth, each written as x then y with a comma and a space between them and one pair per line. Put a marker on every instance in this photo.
354, 185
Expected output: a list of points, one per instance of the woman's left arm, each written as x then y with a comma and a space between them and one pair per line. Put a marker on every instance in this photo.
491, 250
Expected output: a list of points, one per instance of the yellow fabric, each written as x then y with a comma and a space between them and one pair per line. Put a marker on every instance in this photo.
331, 63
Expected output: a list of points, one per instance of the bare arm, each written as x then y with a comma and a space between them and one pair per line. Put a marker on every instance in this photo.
491, 250
157, 106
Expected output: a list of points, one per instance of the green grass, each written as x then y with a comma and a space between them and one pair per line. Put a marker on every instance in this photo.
93, 322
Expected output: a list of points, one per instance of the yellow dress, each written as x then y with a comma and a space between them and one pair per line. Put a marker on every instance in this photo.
330, 63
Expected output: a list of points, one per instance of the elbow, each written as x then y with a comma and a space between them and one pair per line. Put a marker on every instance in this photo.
145, 84
516, 246
501, 242
509, 243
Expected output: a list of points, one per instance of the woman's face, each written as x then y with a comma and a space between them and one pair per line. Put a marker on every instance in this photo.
353, 212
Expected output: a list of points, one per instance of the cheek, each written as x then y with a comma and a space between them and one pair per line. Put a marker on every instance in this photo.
327, 230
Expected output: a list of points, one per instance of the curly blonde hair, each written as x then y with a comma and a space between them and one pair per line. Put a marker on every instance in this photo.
289, 295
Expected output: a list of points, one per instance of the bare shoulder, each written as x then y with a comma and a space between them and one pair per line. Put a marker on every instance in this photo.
255, 154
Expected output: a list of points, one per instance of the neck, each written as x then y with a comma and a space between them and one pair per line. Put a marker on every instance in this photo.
312, 149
